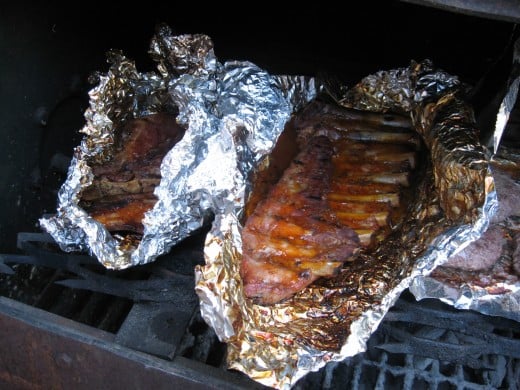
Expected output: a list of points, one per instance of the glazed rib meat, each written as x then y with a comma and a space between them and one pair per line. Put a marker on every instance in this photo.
339, 195
367, 186
374, 157
122, 189
292, 237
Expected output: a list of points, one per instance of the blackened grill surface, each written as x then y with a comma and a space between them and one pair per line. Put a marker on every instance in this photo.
39, 286
430, 345
419, 345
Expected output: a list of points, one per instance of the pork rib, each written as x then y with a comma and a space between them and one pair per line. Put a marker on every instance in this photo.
122, 189
341, 193
292, 238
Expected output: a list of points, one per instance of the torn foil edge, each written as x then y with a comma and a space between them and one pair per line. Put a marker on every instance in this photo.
219, 291
230, 110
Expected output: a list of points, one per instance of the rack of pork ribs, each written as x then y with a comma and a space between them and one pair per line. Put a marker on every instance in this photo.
343, 191
122, 189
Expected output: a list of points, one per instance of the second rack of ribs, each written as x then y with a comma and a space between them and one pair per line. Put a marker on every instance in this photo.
122, 190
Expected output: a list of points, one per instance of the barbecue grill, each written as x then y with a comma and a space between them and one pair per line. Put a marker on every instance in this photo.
69, 323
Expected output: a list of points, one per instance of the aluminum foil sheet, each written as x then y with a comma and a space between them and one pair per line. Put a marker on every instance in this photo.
233, 114
509, 100
278, 344
485, 276
489, 281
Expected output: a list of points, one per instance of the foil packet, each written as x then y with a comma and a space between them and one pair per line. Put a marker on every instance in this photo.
232, 113
278, 344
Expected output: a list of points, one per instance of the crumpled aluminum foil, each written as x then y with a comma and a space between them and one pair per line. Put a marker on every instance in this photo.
496, 294
233, 114
277, 345
488, 282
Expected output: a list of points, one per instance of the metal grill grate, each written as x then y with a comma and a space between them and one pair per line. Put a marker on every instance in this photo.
430, 345
415, 373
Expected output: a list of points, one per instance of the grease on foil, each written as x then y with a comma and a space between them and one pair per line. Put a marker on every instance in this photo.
233, 113
277, 345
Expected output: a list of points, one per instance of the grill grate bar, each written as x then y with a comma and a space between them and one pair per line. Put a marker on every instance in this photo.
68, 303
407, 343
200, 343
465, 332
48, 294
116, 310
414, 374
92, 310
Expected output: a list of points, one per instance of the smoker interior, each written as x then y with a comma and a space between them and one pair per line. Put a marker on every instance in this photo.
64, 307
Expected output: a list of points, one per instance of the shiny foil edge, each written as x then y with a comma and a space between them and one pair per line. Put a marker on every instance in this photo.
281, 361
509, 100
470, 297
